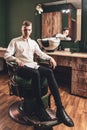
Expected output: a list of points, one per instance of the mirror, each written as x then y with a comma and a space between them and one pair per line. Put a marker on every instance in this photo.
54, 19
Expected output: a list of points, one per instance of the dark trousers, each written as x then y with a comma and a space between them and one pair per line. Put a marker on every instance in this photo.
36, 75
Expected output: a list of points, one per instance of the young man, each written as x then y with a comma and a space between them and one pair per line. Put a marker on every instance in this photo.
64, 35
22, 50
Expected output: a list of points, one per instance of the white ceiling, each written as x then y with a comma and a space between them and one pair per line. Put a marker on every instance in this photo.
76, 3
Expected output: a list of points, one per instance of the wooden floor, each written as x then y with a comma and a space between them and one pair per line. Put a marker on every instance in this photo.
75, 106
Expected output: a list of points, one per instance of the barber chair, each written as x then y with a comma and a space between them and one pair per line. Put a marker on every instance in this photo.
23, 110
49, 44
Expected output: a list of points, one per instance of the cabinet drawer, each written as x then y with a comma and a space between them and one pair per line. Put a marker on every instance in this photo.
79, 77
79, 89
83, 67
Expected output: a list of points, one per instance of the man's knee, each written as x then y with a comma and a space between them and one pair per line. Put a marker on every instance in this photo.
50, 72
36, 74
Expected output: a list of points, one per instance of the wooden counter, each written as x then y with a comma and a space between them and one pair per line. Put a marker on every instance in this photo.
2, 52
2, 62
68, 54
78, 63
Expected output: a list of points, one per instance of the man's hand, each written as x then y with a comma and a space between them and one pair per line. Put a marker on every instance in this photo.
19, 62
53, 63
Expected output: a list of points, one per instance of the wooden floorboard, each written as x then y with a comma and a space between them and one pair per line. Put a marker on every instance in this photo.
75, 106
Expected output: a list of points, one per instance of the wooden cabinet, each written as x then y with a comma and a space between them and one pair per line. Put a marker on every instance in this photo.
79, 78
78, 64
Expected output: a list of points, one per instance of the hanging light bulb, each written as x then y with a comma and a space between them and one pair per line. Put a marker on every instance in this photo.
67, 11
63, 10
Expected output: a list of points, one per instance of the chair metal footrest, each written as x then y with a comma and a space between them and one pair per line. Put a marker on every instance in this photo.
19, 116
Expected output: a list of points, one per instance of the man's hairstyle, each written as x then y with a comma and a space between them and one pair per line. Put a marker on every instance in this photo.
66, 28
27, 23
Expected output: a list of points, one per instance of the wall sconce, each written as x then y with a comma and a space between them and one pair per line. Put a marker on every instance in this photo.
66, 11
39, 8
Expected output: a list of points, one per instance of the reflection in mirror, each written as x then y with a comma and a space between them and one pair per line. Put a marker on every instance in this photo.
54, 19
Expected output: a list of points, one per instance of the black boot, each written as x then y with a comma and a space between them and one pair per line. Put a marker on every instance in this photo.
63, 117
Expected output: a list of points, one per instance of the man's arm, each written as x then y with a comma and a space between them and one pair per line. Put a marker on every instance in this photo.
53, 63
43, 55
9, 55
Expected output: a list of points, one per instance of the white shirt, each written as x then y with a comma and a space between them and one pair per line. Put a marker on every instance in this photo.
62, 37
24, 51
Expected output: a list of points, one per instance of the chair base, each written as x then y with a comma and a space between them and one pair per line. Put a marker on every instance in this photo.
17, 114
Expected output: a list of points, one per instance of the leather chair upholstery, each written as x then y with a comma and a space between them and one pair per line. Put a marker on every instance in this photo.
23, 89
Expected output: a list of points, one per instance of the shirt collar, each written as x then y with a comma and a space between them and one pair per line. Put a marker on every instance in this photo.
24, 39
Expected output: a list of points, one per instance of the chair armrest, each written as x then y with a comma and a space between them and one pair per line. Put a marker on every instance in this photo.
11, 63
12, 66
40, 61
43, 62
